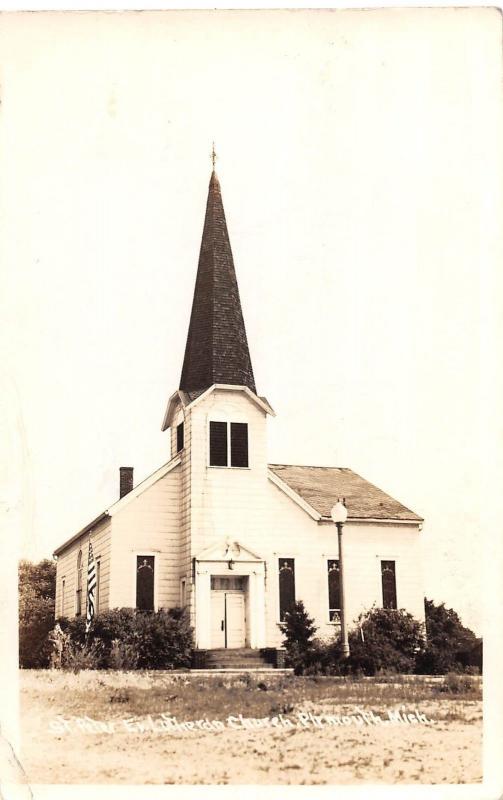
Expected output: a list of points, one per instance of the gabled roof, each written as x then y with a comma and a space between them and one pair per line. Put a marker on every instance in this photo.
190, 399
122, 502
320, 487
217, 347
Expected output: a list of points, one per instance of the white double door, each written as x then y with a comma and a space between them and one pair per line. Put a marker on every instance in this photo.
228, 625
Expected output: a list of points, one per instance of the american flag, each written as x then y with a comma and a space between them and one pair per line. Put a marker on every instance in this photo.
91, 587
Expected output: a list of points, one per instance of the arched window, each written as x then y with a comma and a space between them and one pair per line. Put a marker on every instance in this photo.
78, 598
334, 591
286, 586
145, 583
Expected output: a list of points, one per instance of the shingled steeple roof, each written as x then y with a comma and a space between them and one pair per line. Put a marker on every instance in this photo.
217, 347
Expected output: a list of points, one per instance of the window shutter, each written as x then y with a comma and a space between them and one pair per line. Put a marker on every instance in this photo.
239, 444
286, 586
388, 578
218, 444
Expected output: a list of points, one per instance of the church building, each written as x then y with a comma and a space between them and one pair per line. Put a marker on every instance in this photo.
218, 529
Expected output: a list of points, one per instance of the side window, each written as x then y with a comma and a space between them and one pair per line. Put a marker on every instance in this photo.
63, 597
218, 444
179, 437
286, 586
145, 583
78, 595
239, 444
97, 590
388, 578
334, 591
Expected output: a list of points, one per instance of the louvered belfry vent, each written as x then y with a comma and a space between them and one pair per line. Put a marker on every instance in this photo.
217, 347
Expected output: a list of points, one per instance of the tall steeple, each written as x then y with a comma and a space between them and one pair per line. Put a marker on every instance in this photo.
217, 347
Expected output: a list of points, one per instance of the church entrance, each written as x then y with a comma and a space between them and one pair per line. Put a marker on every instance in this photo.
228, 611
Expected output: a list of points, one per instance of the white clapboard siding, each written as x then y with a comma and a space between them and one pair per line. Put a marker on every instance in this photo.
245, 506
294, 534
195, 506
225, 501
66, 567
149, 524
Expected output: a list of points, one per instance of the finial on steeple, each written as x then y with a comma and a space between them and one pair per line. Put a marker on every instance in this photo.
213, 156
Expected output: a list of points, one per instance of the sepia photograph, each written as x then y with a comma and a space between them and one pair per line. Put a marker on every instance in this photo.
251, 425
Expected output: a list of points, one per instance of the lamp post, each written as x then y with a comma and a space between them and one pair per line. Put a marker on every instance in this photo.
339, 515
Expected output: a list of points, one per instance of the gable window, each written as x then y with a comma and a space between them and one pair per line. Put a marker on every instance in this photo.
179, 437
145, 583
388, 578
78, 594
239, 444
334, 591
218, 444
286, 568
228, 444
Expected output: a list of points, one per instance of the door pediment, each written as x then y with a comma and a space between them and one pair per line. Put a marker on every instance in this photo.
228, 550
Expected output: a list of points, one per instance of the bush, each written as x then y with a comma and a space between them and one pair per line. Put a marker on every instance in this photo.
307, 654
82, 656
122, 656
454, 683
450, 647
165, 639
37, 589
298, 631
131, 639
385, 640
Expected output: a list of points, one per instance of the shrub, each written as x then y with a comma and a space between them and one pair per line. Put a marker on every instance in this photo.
385, 639
82, 656
450, 647
72, 655
131, 639
307, 654
122, 656
298, 631
37, 589
165, 639
454, 683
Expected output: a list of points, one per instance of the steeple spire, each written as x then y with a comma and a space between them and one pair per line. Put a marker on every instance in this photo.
217, 347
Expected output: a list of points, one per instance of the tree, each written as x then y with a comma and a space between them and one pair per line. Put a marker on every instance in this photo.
298, 631
385, 639
37, 591
450, 646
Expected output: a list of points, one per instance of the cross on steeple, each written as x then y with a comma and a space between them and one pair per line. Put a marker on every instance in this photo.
213, 156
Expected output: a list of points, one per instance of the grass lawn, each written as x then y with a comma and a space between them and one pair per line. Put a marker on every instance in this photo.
165, 728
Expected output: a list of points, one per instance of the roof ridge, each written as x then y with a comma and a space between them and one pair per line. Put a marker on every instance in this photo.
310, 466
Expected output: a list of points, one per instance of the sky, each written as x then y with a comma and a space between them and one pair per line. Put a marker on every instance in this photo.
358, 155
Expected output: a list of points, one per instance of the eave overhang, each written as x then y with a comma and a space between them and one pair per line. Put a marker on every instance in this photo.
181, 398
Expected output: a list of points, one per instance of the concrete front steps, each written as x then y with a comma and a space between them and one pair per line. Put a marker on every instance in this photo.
239, 659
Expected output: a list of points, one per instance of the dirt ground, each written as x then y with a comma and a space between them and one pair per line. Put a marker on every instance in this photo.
159, 728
